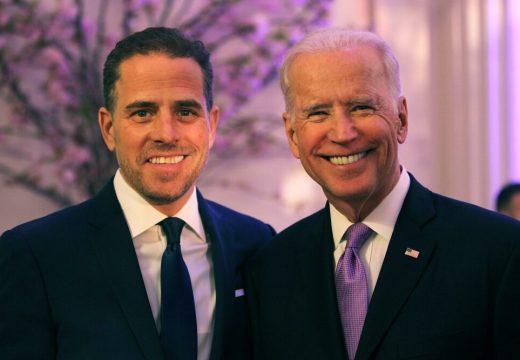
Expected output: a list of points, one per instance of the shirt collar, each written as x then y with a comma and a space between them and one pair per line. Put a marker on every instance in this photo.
382, 219
140, 215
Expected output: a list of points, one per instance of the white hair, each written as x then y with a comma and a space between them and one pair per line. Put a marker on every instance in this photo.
332, 39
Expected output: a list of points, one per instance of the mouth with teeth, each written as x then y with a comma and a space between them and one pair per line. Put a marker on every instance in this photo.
166, 159
344, 160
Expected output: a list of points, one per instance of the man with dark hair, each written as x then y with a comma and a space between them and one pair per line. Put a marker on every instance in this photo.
387, 269
508, 200
147, 269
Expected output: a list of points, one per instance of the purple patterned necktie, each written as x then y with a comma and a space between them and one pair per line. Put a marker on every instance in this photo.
352, 287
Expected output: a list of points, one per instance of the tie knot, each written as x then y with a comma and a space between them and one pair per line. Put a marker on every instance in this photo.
357, 234
172, 227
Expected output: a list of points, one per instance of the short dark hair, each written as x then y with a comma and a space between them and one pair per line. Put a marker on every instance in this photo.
504, 196
168, 41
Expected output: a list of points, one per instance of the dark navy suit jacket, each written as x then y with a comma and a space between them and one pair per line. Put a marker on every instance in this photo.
71, 286
458, 300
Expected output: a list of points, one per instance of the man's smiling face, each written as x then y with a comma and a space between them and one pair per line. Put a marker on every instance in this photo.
345, 126
160, 128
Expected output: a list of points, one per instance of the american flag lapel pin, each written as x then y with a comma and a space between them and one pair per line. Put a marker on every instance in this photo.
412, 253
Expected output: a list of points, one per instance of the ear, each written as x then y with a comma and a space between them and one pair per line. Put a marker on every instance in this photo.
402, 126
106, 124
214, 116
292, 137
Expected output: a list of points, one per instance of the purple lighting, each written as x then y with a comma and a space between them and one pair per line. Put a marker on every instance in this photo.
495, 98
513, 62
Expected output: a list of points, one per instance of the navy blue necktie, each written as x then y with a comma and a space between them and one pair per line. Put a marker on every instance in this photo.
178, 319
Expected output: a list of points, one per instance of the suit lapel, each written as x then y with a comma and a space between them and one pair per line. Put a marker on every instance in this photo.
113, 244
222, 273
316, 267
400, 272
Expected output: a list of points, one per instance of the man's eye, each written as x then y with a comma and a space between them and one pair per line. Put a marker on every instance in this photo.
141, 113
185, 112
363, 108
318, 113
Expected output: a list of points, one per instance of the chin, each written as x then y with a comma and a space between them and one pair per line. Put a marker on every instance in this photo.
162, 194
162, 198
353, 193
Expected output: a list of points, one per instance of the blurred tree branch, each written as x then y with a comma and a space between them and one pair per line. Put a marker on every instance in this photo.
50, 78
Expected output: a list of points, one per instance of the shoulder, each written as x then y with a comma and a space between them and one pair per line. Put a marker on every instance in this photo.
61, 219
311, 223
45, 235
467, 222
68, 221
223, 214
296, 235
476, 220
243, 231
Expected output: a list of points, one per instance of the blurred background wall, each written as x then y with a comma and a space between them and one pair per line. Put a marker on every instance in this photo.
459, 68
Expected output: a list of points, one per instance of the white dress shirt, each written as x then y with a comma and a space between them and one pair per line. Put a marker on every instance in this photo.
382, 221
150, 243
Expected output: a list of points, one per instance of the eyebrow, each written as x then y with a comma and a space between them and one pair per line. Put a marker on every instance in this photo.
316, 107
364, 101
368, 99
140, 105
189, 103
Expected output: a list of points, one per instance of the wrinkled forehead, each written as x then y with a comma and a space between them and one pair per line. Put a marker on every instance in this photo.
322, 73
360, 59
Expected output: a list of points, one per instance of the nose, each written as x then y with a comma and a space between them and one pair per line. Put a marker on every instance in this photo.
165, 129
343, 128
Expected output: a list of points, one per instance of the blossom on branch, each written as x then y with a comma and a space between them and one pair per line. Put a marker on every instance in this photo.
51, 55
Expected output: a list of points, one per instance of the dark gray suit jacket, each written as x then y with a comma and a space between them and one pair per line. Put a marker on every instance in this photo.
460, 299
71, 287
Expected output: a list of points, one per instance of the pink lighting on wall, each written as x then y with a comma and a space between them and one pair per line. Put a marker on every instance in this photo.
513, 78
495, 96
